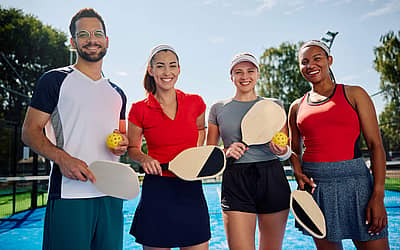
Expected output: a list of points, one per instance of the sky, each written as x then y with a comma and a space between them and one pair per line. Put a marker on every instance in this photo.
208, 33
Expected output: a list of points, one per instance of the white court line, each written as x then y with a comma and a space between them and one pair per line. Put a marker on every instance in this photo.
24, 178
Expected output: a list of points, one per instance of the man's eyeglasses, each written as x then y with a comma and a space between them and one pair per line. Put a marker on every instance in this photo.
84, 34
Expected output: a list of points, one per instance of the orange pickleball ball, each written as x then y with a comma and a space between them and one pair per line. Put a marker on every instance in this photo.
280, 139
113, 140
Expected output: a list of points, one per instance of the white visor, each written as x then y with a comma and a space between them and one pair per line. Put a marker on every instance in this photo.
159, 48
244, 57
317, 43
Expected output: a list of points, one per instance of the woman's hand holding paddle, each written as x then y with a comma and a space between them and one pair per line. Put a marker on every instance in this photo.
305, 183
151, 166
235, 150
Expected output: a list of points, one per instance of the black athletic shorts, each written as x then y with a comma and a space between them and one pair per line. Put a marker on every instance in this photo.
259, 187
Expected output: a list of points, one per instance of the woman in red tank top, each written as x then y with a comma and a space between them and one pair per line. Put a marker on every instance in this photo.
342, 185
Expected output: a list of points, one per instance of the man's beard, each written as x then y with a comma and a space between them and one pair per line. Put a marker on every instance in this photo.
91, 57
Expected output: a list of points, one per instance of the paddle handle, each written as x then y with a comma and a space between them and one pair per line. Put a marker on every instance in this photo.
231, 160
244, 143
164, 166
308, 188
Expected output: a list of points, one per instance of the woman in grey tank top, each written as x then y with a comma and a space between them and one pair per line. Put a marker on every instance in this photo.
254, 187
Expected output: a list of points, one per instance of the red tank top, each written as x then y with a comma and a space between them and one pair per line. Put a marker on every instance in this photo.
330, 129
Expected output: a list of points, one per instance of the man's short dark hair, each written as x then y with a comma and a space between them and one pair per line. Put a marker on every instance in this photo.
86, 12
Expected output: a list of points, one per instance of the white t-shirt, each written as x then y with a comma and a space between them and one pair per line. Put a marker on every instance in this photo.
83, 112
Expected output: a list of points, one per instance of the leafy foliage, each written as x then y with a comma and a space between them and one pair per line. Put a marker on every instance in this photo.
390, 126
280, 76
28, 49
387, 63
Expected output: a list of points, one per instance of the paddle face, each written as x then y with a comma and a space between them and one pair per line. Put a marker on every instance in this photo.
198, 163
263, 120
115, 179
307, 213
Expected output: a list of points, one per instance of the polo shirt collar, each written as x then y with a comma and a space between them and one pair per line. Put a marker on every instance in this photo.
153, 103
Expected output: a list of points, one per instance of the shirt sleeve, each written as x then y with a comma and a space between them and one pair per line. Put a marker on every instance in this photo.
136, 115
47, 90
122, 114
201, 105
212, 116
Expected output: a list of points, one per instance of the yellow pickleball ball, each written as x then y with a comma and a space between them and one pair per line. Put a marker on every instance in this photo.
280, 139
113, 140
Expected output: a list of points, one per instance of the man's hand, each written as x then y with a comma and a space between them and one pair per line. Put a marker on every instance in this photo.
76, 169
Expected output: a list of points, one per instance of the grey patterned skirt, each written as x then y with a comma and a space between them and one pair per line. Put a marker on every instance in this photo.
343, 192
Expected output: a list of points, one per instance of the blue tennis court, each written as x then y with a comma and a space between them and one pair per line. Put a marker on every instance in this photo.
24, 230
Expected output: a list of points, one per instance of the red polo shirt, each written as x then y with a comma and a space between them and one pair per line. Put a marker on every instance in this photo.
165, 137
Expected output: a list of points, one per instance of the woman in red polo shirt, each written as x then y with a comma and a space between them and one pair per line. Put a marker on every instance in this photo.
171, 212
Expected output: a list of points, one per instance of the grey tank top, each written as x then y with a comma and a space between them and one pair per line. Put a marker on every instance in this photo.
227, 115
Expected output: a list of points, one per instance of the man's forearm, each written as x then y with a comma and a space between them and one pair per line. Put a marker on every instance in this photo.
39, 143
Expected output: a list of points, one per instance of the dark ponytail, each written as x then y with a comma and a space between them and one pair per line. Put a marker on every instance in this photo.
149, 83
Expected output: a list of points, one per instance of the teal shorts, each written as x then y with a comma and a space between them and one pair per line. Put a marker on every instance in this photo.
83, 224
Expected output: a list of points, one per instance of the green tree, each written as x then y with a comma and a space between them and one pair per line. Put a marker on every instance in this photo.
28, 48
280, 76
387, 63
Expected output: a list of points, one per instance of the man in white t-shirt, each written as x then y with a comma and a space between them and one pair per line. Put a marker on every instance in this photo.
78, 108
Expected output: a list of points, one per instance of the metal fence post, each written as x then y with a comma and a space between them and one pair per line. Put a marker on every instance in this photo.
34, 192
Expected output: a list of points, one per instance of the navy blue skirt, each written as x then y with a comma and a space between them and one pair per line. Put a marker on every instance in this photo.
171, 213
343, 192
